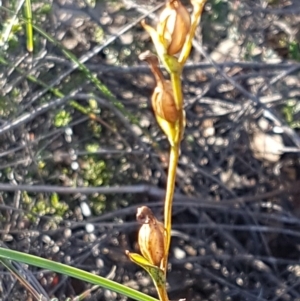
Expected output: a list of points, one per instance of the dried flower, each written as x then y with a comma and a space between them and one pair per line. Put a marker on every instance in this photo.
163, 102
151, 236
174, 26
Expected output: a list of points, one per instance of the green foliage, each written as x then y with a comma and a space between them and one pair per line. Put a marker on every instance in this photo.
96, 129
9, 30
95, 173
94, 106
59, 206
291, 108
62, 118
54, 206
92, 147
98, 34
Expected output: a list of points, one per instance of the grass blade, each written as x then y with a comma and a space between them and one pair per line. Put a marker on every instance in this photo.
76, 273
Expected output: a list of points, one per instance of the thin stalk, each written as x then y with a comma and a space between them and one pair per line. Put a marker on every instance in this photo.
21, 279
173, 162
175, 74
174, 155
162, 293
176, 85
28, 25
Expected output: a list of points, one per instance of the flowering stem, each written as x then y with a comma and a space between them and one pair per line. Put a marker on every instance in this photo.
162, 292
175, 74
174, 155
173, 130
173, 162
176, 85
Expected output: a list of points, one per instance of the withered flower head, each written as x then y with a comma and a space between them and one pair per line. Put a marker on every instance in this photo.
144, 214
162, 100
151, 236
173, 26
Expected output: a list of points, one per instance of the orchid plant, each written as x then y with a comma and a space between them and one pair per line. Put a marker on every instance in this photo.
172, 39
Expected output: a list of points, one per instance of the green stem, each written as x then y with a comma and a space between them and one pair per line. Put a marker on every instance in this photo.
28, 25
174, 68
173, 161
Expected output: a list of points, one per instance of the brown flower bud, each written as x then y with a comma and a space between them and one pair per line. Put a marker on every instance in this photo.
162, 100
174, 26
151, 236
